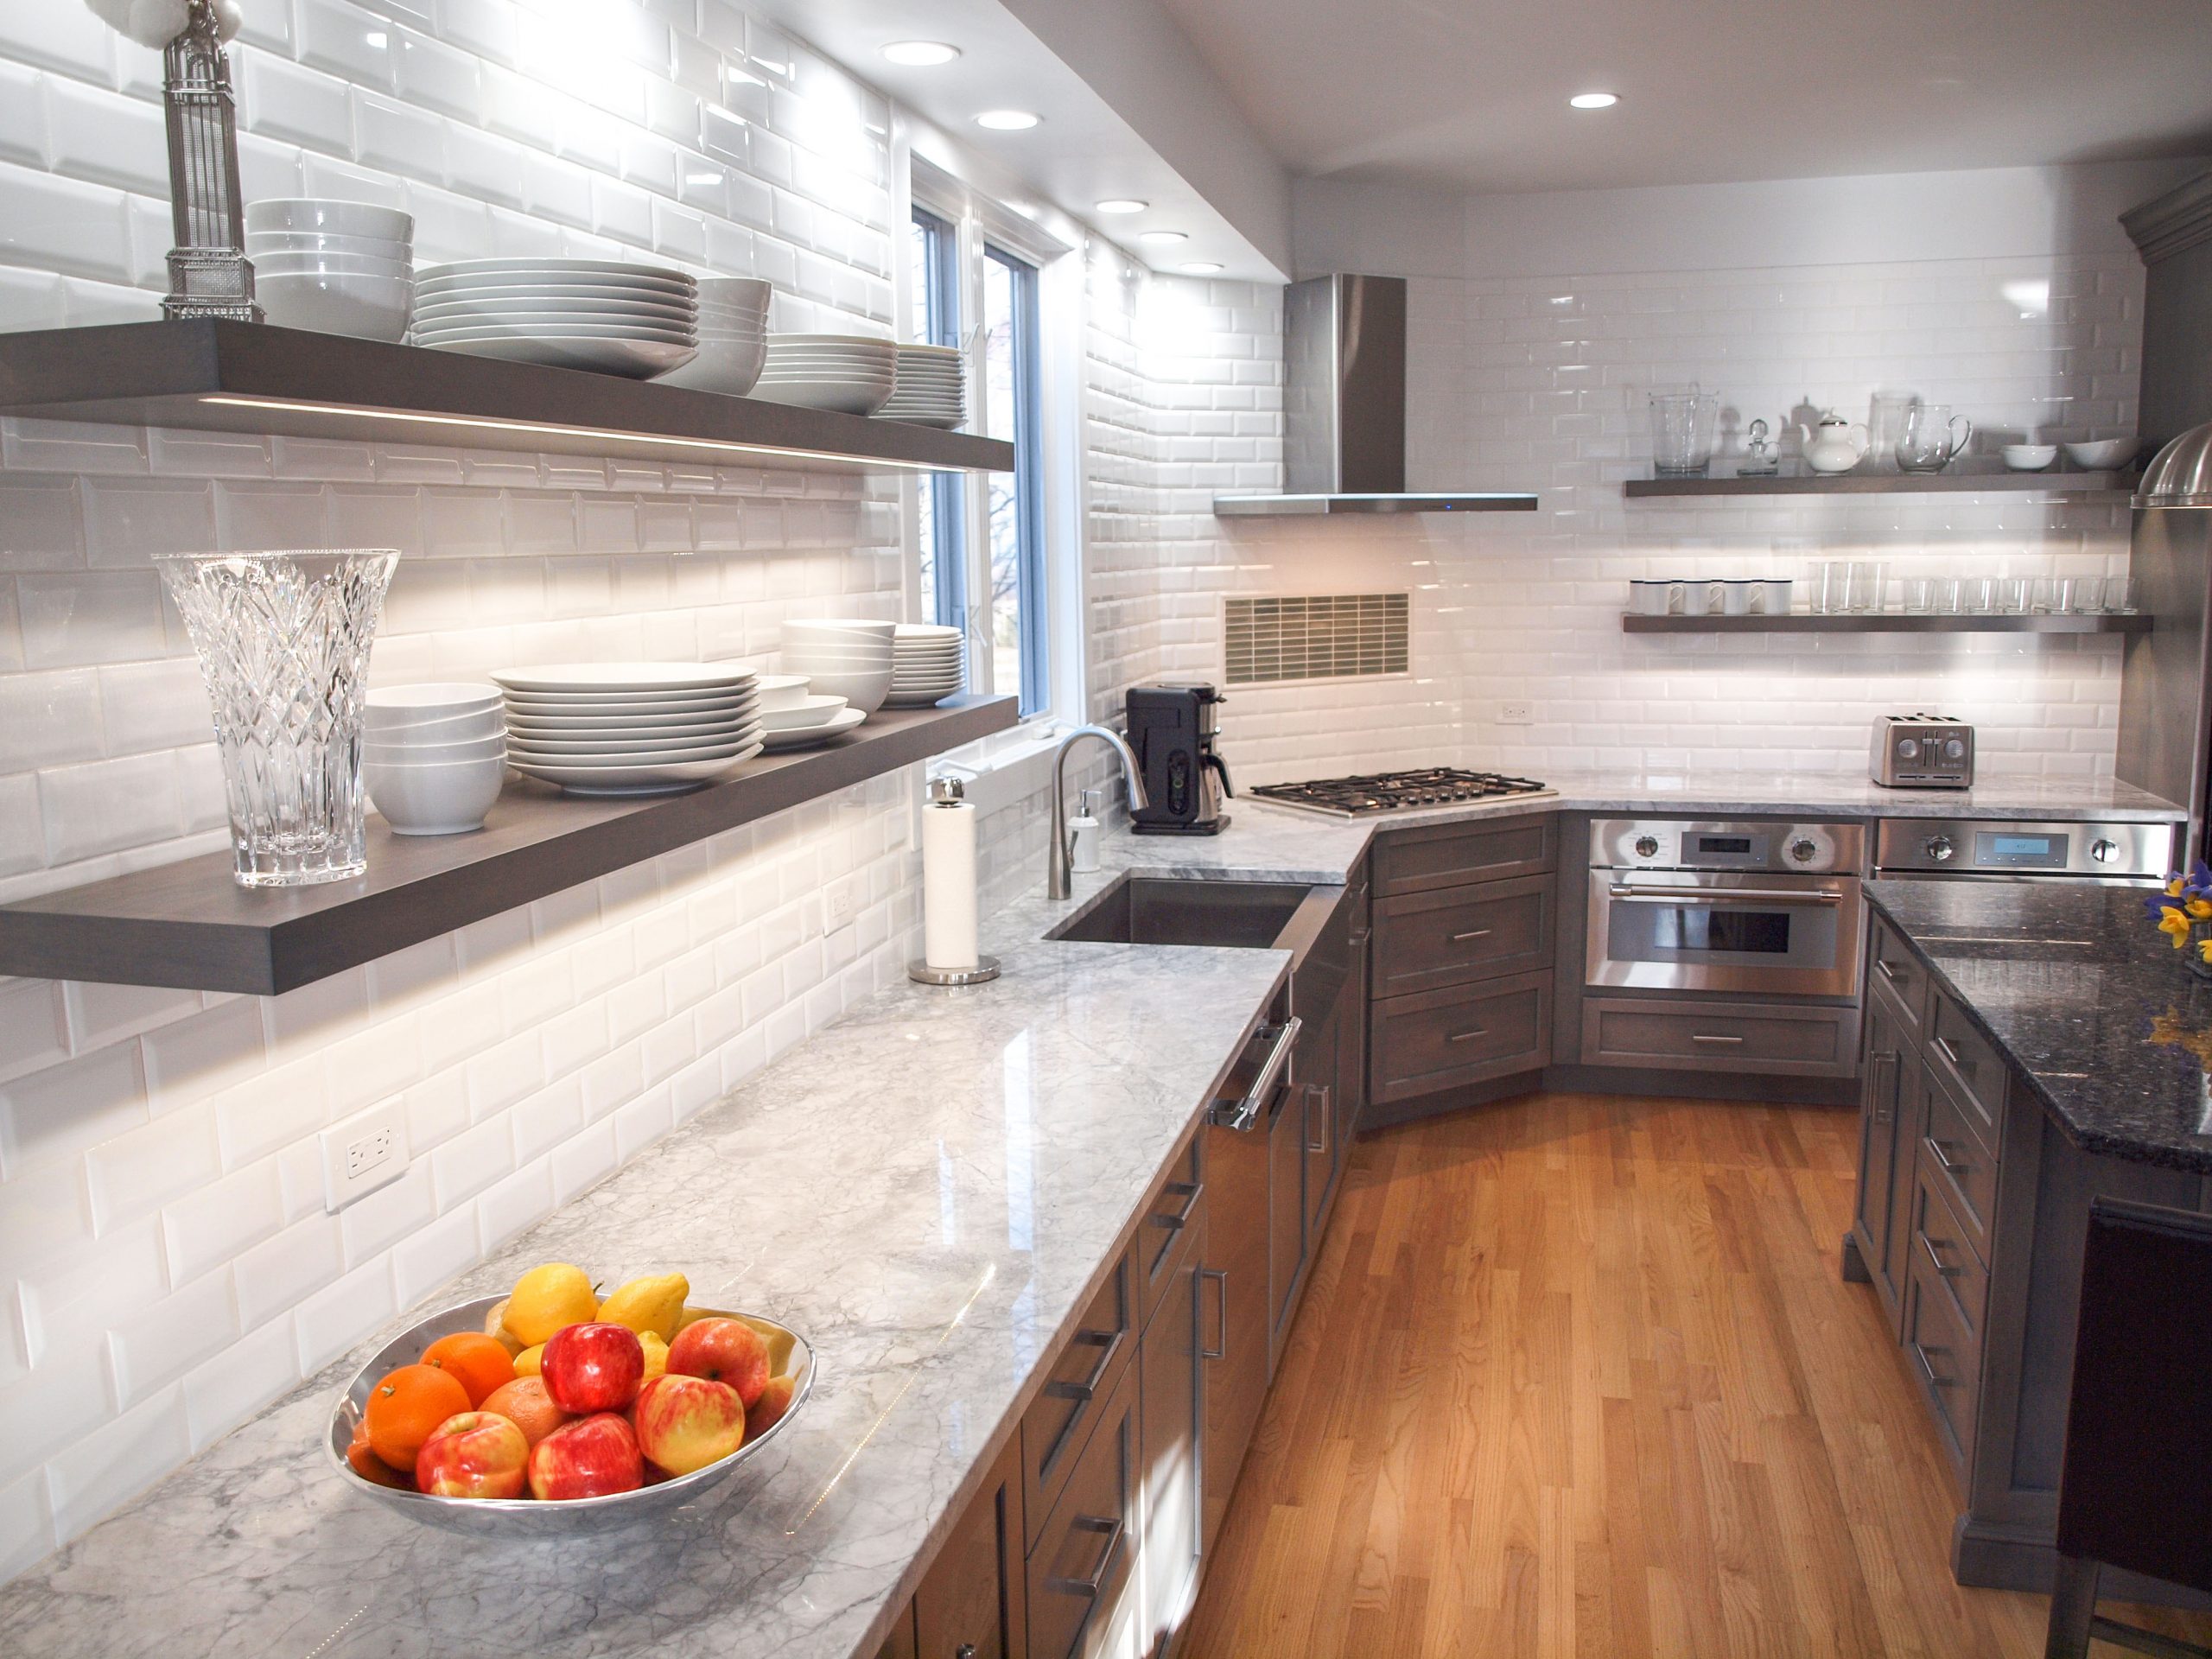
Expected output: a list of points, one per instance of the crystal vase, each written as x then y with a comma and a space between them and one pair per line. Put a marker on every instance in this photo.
284, 644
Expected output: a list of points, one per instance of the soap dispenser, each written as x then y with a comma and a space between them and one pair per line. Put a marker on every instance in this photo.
1082, 835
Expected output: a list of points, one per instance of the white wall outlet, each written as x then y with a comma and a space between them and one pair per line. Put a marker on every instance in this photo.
841, 902
1516, 714
367, 1151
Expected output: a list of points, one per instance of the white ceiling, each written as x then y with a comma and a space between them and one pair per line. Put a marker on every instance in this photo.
1472, 93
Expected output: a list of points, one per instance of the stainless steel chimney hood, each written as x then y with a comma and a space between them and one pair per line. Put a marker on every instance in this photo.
1345, 410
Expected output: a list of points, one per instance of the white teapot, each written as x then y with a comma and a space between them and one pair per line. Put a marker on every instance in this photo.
1832, 450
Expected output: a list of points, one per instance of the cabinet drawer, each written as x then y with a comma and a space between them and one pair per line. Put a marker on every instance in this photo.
1060, 1419
1424, 941
1942, 1353
1451, 855
972, 1601
1941, 1242
1896, 970
1953, 1154
1163, 1236
1083, 1559
1775, 1039
1962, 1055
1442, 1039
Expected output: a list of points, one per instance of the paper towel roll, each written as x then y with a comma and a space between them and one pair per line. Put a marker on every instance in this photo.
948, 884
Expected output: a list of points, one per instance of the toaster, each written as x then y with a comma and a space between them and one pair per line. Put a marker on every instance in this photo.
1922, 752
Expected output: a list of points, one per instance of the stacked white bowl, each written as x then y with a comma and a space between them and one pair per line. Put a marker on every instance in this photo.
842, 656
630, 729
609, 316
793, 716
925, 665
852, 374
433, 756
338, 267
733, 336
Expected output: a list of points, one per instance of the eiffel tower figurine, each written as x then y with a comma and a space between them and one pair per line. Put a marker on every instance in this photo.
209, 273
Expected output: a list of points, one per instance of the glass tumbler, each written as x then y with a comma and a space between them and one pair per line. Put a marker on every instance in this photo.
2120, 595
1864, 585
2082, 595
1682, 432
1919, 596
1977, 595
2012, 595
283, 642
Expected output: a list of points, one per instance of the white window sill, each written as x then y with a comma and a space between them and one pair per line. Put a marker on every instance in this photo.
1006, 767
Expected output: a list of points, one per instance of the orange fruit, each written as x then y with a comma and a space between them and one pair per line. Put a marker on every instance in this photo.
406, 1407
525, 1403
479, 1363
362, 1457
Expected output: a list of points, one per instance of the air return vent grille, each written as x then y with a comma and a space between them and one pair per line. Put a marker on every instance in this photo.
1330, 637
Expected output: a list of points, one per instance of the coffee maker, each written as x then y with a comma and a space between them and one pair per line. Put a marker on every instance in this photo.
1172, 729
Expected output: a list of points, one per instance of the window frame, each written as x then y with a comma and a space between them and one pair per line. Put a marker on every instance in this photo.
1032, 571
940, 302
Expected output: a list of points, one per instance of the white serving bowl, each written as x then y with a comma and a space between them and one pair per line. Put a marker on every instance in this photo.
449, 729
780, 691
866, 628
410, 750
351, 264
369, 308
817, 710
2101, 453
434, 799
434, 699
2030, 457
365, 247
863, 690
331, 217
729, 366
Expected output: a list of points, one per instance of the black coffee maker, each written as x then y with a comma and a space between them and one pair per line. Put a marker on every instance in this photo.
1172, 729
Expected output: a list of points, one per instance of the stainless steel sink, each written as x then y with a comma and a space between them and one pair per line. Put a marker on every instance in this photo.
1164, 910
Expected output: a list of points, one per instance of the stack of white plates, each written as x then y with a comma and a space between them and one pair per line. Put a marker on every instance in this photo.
925, 665
630, 729
733, 336
601, 314
842, 656
849, 373
931, 389
338, 267
815, 718
433, 756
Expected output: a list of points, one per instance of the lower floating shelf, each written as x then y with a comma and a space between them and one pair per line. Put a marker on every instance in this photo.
189, 924
1885, 622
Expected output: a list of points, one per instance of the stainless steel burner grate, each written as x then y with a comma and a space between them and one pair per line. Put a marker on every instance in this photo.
1398, 791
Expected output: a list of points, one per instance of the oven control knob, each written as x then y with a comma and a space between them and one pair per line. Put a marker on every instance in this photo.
1908, 748
1647, 846
1938, 847
1804, 849
1954, 749
2104, 851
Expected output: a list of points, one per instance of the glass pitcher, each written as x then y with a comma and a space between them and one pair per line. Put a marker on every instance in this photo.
1931, 436
1682, 432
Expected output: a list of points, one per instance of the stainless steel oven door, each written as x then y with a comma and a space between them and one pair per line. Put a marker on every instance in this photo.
1697, 930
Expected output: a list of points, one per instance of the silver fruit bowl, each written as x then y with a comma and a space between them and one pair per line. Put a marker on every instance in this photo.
528, 1517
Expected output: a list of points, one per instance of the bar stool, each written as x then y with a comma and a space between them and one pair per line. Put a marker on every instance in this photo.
2136, 1488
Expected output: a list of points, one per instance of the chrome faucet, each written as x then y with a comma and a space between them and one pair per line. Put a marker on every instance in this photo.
1059, 865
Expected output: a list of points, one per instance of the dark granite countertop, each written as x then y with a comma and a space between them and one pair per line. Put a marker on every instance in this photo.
2087, 1001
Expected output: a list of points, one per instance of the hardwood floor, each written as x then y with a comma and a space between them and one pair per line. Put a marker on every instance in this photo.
1578, 1375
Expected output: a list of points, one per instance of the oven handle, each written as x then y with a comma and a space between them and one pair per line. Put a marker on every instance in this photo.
1720, 896
1246, 1116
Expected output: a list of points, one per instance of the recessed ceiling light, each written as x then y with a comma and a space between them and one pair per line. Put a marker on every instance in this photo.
1594, 100
920, 54
1200, 268
1161, 238
1008, 120
1121, 205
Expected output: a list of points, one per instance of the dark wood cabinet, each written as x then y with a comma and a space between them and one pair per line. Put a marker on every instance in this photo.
1286, 1215
1454, 936
899, 1645
1455, 854
1172, 1396
973, 1604
1236, 1308
1058, 1422
1318, 1088
1161, 1235
1084, 1563
1352, 1026
1889, 1116
1773, 1039
1440, 1040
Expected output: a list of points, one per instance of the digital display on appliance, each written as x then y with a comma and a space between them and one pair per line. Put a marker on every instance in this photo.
1724, 843
2013, 850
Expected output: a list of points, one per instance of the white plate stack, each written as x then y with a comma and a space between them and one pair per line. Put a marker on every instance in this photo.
925, 665
337, 267
931, 388
434, 757
842, 656
851, 374
733, 336
630, 729
601, 314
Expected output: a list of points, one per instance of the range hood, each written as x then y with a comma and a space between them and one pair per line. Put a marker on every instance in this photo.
1345, 410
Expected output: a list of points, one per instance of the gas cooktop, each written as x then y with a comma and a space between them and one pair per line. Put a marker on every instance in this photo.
1398, 791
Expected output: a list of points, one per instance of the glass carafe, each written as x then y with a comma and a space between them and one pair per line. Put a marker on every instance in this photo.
1931, 436
1682, 432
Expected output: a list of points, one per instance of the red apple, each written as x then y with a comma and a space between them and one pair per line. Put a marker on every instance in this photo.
474, 1454
722, 1351
586, 1458
684, 1423
775, 1400
590, 1368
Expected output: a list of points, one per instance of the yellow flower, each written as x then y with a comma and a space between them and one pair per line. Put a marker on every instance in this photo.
2171, 921
2173, 889
2204, 951
2199, 909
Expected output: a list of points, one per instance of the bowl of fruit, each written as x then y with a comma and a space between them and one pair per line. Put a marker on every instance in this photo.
547, 1411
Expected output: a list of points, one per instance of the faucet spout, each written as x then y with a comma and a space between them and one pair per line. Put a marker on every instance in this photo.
1060, 862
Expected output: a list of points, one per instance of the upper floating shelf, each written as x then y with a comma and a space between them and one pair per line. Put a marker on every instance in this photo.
1957, 480
1316, 506
1892, 622
237, 377
189, 924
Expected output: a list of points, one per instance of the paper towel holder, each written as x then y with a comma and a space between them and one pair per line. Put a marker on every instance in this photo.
947, 792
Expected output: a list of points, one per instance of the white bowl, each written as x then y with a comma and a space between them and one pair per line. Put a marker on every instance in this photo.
2030, 457
2101, 453
335, 218
436, 699
434, 799
863, 690
408, 750
816, 710
747, 294
780, 691
366, 247
867, 628
448, 729
729, 366
369, 308
348, 265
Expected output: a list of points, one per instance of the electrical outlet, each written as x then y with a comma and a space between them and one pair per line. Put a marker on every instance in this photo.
367, 1151
1516, 714
840, 900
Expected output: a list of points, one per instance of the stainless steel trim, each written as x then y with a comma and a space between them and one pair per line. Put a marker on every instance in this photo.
1702, 1037
1251, 1110
1735, 896
2140, 851
1837, 892
1837, 848
1220, 1349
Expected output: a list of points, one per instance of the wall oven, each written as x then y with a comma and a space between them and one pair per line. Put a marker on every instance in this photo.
1770, 909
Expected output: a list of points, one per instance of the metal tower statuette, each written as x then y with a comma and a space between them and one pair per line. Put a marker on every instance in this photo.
209, 273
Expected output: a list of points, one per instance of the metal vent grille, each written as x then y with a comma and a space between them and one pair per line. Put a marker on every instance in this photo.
1328, 637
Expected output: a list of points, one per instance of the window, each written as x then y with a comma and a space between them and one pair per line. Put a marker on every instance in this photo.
934, 247
1014, 515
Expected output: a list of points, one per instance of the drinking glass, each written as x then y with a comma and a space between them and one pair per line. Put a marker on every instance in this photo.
2012, 593
1977, 595
1919, 596
1863, 585
1931, 436
2120, 595
2043, 595
282, 640
1826, 585
1943, 595
1682, 432
2082, 595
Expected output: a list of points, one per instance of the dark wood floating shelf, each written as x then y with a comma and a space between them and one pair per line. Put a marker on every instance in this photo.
237, 377
189, 924
1964, 480
1886, 622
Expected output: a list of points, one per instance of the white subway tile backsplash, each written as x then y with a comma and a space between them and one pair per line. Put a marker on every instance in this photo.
69, 1108
154, 1347
279, 1273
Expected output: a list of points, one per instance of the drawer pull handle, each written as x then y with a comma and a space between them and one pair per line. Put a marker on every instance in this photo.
1885, 1101
1951, 1167
1469, 1035
1472, 933
1929, 1370
1181, 1218
1885, 970
1707, 1037
1088, 1588
965, 1650
1943, 1047
1246, 1116
1220, 1276
1936, 1261
1694, 898
1323, 1091
1108, 1341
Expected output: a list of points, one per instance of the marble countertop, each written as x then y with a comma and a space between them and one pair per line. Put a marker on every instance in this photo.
2086, 1000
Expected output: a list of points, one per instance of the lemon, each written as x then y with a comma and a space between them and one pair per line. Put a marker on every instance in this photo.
547, 1298
656, 1356
526, 1363
495, 1326
655, 1304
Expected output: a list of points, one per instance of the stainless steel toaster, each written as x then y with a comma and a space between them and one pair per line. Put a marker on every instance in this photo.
1922, 752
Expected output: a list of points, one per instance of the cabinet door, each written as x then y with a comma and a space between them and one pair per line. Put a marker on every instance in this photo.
1351, 1035
899, 1645
1173, 1404
1285, 1214
1318, 1087
1083, 1567
1880, 1091
970, 1607
1235, 1305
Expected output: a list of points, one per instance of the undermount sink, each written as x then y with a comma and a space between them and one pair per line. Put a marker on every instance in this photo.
1166, 910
